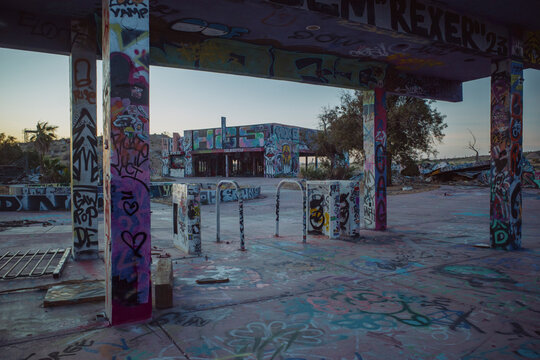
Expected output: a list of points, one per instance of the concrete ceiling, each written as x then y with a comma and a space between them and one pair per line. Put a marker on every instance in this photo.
449, 40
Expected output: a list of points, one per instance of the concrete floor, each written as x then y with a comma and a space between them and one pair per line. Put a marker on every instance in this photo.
417, 291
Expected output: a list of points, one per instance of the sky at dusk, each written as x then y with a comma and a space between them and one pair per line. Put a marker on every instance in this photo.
35, 87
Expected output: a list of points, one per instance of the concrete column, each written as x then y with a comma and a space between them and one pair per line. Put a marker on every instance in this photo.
84, 158
374, 117
226, 165
506, 152
126, 163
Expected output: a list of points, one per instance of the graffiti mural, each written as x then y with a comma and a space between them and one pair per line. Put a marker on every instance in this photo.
374, 118
506, 154
323, 199
126, 163
349, 208
203, 139
84, 155
187, 218
281, 152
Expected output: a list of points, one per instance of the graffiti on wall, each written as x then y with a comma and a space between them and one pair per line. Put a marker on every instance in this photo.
251, 136
203, 139
127, 168
417, 18
84, 156
506, 154
260, 60
208, 196
187, 218
349, 208
323, 199
281, 152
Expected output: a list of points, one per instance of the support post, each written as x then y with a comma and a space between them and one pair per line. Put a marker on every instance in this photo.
84, 158
374, 117
126, 163
506, 153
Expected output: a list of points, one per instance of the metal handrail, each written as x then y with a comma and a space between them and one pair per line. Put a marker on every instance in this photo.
240, 210
302, 186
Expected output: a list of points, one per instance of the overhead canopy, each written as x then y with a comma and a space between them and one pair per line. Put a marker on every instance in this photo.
413, 47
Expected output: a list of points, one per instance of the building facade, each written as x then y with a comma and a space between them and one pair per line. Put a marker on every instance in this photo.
269, 150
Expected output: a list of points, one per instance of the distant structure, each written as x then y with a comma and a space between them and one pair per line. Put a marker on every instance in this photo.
269, 150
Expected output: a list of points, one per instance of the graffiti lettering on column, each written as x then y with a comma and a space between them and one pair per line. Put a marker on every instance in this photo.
369, 165
418, 18
84, 155
128, 8
380, 158
127, 181
506, 154
85, 214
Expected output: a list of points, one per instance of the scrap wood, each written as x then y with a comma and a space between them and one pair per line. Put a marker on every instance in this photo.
212, 281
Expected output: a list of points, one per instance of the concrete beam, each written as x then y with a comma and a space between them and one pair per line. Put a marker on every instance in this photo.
126, 163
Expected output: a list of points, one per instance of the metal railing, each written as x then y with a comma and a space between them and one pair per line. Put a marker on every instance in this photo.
240, 210
302, 186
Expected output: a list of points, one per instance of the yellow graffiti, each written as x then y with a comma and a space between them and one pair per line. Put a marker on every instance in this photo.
405, 62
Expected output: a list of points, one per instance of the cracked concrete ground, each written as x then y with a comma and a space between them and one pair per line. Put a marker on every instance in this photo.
420, 290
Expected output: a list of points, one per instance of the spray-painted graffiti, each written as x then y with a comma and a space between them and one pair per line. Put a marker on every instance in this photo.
207, 29
208, 196
281, 152
417, 18
506, 154
187, 218
324, 208
84, 157
349, 211
203, 139
126, 160
374, 117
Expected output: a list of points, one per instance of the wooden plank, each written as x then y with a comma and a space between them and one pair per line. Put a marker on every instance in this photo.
60, 266
75, 293
163, 284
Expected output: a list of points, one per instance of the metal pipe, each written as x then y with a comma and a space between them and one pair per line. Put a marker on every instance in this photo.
27, 263
49, 263
240, 210
304, 205
13, 267
40, 260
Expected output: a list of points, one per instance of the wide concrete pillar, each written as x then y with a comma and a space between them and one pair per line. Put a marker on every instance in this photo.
126, 163
84, 158
506, 152
374, 118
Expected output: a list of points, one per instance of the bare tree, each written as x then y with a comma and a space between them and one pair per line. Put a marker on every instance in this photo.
472, 145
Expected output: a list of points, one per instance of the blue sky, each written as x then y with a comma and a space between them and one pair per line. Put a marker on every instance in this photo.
35, 87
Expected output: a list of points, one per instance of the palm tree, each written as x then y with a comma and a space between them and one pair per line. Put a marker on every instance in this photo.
42, 138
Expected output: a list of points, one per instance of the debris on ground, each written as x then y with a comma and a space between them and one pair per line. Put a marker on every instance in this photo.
212, 281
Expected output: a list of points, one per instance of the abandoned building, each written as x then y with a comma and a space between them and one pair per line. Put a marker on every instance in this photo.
269, 150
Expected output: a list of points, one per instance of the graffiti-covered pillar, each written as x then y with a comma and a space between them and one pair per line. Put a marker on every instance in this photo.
374, 117
126, 163
84, 158
506, 151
